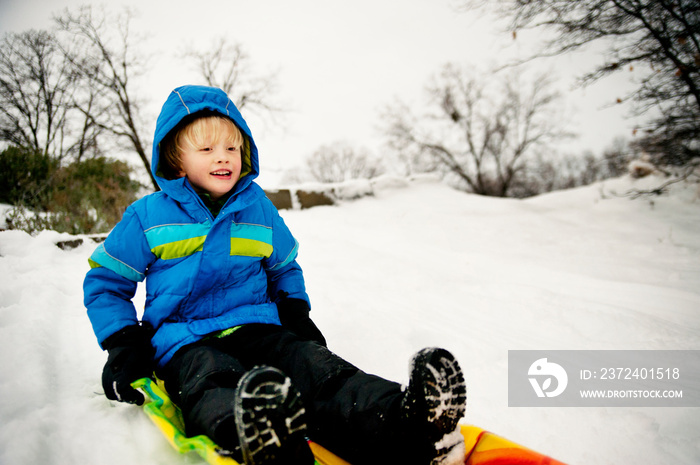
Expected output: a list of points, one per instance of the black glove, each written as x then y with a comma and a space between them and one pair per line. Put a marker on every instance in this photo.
294, 315
130, 358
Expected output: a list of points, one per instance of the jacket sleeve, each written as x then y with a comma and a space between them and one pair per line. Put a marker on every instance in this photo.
117, 266
283, 271
289, 280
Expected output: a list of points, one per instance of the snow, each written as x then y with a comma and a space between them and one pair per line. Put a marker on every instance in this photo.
417, 264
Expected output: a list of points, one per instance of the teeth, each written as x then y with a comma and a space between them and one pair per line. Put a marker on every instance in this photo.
222, 173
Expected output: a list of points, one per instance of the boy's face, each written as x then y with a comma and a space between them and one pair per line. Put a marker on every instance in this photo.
212, 167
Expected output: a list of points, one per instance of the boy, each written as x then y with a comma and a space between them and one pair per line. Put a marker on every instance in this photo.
226, 324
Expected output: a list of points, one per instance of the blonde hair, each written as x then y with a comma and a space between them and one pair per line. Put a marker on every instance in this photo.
196, 133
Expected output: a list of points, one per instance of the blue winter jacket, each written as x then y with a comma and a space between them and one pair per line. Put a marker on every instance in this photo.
203, 274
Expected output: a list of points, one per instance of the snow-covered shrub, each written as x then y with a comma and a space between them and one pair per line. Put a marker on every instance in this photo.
640, 168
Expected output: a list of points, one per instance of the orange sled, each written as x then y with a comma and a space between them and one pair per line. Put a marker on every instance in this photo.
483, 447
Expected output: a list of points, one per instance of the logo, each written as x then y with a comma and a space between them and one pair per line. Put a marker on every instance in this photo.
542, 369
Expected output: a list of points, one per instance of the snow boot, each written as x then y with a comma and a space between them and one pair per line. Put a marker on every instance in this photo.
270, 419
434, 402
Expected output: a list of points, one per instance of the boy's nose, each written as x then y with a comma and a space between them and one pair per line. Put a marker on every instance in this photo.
221, 155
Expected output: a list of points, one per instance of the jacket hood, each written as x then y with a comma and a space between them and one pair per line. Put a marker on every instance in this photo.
189, 100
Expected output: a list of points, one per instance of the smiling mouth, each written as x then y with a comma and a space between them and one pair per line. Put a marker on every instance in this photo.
222, 173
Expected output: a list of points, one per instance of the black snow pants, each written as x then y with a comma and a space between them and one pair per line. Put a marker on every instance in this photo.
352, 413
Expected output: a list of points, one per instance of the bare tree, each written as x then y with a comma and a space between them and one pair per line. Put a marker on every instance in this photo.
663, 35
617, 157
105, 56
553, 171
37, 91
477, 131
228, 66
341, 162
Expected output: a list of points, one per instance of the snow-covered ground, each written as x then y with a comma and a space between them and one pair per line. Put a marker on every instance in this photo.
412, 266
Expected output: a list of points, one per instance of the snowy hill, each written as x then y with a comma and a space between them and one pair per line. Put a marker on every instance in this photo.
409, 267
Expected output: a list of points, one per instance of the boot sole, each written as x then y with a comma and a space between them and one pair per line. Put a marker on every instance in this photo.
443, 387
270, 419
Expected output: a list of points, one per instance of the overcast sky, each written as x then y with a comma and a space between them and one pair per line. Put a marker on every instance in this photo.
338, 62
